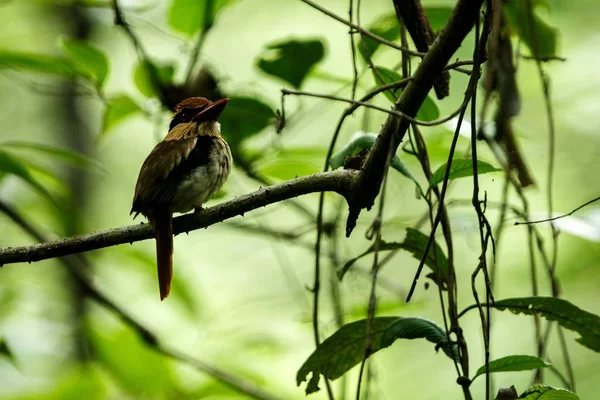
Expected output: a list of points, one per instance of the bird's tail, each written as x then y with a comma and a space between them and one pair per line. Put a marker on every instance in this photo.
163, 230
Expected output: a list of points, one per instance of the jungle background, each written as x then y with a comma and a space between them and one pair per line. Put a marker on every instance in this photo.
73, 139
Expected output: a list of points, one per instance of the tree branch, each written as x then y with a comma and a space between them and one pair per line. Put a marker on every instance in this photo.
340, 182
448, 41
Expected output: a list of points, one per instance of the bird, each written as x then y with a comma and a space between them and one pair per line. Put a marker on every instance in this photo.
183, 171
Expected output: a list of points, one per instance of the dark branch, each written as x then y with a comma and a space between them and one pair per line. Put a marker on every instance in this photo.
448, 41
336, 181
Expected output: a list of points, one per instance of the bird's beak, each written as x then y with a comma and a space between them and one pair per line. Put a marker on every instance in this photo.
212, 111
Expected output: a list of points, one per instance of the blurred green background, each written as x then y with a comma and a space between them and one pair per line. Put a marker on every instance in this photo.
240, 299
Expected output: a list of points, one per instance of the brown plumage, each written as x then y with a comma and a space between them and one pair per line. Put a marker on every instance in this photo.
181, 173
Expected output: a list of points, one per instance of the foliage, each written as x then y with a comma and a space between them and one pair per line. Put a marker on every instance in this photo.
460, 169
563, 312
511, 364
346, 347
292, 60
122, 363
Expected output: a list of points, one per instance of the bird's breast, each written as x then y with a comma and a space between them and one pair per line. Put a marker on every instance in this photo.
207, 169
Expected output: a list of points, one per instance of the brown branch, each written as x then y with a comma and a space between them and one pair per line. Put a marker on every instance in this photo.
448, 41
418, 26
340, 182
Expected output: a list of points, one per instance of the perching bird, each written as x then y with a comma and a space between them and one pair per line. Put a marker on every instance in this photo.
181, 173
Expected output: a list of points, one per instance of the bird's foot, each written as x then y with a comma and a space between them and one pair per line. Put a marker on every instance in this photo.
197, 213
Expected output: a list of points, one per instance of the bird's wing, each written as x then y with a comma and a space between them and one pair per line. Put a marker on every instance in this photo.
154, 187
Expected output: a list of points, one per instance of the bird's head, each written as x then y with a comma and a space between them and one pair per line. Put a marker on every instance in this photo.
199, 114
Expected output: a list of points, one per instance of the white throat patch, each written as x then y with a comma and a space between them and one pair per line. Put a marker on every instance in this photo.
209, 128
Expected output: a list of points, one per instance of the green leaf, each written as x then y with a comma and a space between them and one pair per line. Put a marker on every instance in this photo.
459, 169
386, 27
244, 117
118, 109
543, 392
191, 16
540, 37
513, 363
68, 156
366, 141
341, 351
419, 328
291, 60
13, 165
87, 59
438, 16
346, 347
566, 314
384, 76
291, 162
36, 63
143, 78
415, 243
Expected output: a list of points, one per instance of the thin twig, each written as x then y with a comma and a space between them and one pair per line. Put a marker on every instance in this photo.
363, 31
142, 55
368, 105
353, 49
206, 25
570, 213
376, 231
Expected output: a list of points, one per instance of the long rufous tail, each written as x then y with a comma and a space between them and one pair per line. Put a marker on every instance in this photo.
163, 230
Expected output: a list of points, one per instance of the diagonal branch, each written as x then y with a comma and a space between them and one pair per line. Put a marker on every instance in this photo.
443, 48
340, 182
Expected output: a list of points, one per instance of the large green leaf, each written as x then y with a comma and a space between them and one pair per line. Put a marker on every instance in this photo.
118, 109
543, 392
383, 76
540, 37
244, 117
57, 153
415, 242
419, 328
566, 314
366, 141
346, 347
438, 16
459, 169
290, 162
21, 168
341, 351
291, 60
386, 27
192, 16
36, 63
513, 363
142, 75
87, 59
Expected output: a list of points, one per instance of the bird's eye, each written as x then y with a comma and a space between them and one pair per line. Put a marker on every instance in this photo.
184, 116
